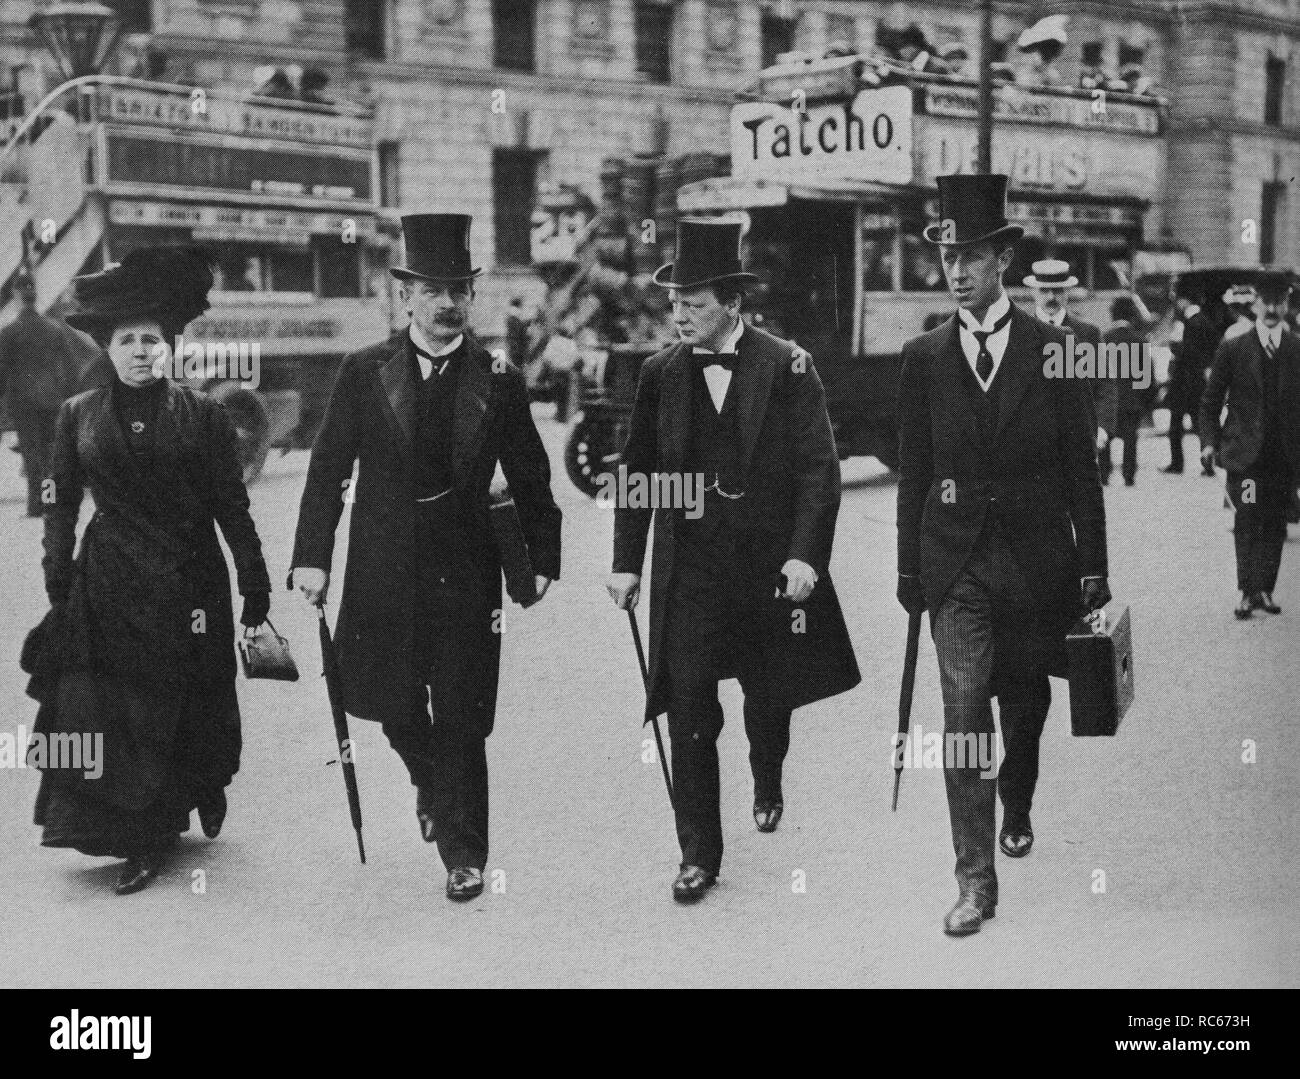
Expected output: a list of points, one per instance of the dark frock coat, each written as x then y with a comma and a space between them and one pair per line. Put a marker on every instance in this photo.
1237, 377
142, 617
1041, 467
791, 479
371, 420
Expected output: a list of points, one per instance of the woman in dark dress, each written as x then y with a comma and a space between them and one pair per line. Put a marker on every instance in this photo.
141, 632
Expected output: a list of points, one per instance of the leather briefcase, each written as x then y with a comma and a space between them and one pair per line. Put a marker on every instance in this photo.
1101, 675
266, 655
512, 548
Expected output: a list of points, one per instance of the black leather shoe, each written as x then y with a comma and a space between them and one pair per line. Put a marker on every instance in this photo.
767, 815
424, 814
1245, 606
137, 871
1016, 838
1264, 601
1128, 481
692, 882
464, 882
212, 813
971, 911
1170, 470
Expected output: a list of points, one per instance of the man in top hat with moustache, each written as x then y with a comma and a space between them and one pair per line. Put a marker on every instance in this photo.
1001, 526
428, 420
743, 414
1051, 281
1258, 374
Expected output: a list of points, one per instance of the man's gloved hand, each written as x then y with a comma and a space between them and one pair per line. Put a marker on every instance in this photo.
624, 589
1103, 439
800, 579
1207, 458
312, 583
1096, 593
256, 608
910, 593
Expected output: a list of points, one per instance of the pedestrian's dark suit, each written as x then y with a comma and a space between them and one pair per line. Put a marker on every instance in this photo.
1000, 514
1191, 358
1258, 444
1103, 392
712, 608
39, 372
423, 581
1120, 410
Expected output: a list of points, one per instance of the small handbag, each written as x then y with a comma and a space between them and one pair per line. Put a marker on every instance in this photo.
266, 655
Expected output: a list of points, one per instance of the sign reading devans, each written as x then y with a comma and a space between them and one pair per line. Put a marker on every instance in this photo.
868, 138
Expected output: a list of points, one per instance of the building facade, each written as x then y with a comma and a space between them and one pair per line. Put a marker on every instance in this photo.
478, 102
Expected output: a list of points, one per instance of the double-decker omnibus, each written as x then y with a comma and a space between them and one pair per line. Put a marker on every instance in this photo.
284, 193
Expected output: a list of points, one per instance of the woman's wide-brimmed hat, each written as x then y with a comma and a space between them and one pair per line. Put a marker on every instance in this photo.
707, 252
437, 248
169, 284
1051, 273
972, 209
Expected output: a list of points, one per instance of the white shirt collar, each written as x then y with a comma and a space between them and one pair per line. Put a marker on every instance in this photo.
1266, 335
422, 343
1057, 319
997, 309
729, 345
997, 342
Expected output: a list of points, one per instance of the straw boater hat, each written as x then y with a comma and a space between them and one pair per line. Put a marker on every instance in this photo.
1045, 32
1239, 295
437, 248
707, 252
977, 207
168, 284
1051, 273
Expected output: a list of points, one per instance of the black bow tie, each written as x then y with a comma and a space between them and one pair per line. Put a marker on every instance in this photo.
721, 359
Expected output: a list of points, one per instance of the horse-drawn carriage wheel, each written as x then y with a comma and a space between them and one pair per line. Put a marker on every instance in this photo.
590, 452
252, 425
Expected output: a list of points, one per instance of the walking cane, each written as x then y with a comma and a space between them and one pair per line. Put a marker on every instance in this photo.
654, 720
905, 695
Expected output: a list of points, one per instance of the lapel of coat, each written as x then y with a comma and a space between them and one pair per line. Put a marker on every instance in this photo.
397, 385
1020, 361
1288, 370
953, 369
469, 421
674, 421
751, 382
111, 442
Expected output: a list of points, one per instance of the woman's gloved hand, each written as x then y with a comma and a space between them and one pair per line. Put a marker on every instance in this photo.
256, 608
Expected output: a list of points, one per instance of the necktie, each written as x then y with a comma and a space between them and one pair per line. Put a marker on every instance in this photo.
437, 364
984, 358
721, 359
1270, 349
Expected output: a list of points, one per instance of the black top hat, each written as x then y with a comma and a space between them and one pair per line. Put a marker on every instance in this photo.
707, 251
977, 208
169, 284
437, 248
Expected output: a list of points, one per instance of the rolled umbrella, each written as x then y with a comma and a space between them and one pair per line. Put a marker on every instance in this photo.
654, 720
905, 696
330, 659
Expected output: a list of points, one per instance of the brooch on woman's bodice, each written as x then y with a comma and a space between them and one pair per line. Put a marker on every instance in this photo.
137, 426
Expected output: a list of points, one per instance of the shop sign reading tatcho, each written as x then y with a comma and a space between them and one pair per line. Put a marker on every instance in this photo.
868, 138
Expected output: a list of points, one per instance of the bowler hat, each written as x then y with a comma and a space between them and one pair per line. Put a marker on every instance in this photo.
1051, 273
976, 208
707, 251
1274, 284
437, 248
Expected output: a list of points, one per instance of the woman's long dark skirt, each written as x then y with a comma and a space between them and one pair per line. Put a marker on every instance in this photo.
166, 748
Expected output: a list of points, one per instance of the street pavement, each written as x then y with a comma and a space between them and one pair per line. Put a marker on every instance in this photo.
1162, 858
